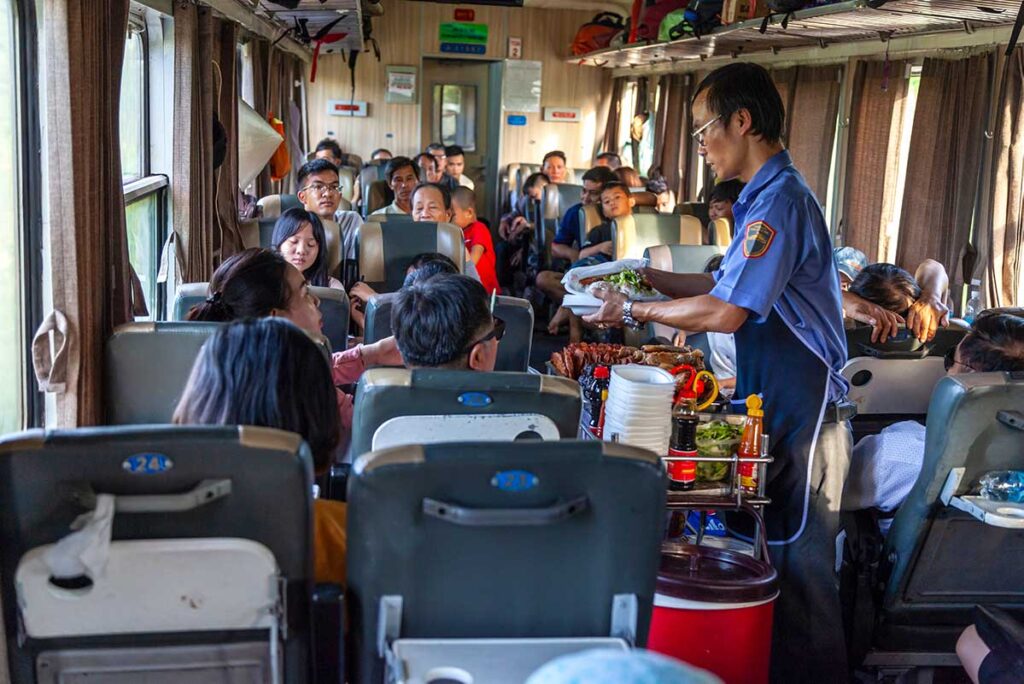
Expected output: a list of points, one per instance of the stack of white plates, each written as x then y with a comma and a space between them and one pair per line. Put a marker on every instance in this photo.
639, 408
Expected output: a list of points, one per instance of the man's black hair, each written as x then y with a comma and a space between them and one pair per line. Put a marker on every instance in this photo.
454, 151
314, 166
437, 319
421, 155
445, 195
428, 265
611, 156
329, 144
555, 153
745, 85
888, 286
726, 191
396, 164
996, 341
600, 174
532, 179
435, 146
464, 197
378, 151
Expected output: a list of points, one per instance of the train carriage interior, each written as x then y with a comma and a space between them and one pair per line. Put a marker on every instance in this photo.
543, 341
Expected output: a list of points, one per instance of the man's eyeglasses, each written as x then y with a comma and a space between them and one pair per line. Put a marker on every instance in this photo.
949, 360
698, 134
323, 188
497, 332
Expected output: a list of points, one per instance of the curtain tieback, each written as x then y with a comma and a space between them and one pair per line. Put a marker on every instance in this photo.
52, 369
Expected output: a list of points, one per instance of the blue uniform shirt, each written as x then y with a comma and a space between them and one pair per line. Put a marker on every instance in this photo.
781, 258
568, 232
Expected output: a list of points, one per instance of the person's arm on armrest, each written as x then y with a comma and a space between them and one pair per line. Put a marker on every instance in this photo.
565, 251
929, 312
599, 248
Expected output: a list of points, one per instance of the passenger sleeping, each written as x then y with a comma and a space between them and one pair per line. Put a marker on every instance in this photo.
299, 237
885, 466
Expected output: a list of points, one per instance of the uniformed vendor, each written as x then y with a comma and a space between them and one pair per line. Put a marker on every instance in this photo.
778, 291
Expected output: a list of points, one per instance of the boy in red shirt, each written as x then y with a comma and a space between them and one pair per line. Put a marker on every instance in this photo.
477, 235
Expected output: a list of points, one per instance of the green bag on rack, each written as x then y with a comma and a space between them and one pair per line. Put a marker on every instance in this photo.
671, 21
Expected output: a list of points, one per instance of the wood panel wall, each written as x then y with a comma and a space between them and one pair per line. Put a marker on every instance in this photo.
408, 31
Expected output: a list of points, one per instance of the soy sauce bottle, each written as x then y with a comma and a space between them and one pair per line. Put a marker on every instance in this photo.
682, 475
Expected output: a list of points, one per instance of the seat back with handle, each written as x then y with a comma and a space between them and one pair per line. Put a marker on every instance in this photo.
387, 248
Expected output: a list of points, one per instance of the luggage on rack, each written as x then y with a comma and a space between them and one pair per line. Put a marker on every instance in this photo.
597, 33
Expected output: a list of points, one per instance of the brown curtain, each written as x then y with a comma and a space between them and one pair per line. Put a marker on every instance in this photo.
611, 130
811, 98
873, 152
193, 192
91, 272
226, 176
1001, 224
672, 150
945, 163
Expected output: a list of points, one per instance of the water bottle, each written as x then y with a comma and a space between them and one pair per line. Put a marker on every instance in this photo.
973, 302
1003, 485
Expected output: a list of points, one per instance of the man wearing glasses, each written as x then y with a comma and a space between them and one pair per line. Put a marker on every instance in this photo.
777, 290
446, 321
320, 192
885, 466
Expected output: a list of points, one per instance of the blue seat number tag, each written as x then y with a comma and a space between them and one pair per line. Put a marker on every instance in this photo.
147, 464
475, 399
514, 480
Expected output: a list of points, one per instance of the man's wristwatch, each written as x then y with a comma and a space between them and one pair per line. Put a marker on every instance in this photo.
627, 316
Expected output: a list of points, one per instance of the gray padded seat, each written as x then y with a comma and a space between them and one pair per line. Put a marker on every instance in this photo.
387, 248
348, 178
44, 479
939, 562
146, 368
371, 172
513, 350
557, 199
682, 258
334, 307
399, 394
896, 378
502, 540
633, 234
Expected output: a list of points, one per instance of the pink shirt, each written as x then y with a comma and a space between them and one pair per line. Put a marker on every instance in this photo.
346, 367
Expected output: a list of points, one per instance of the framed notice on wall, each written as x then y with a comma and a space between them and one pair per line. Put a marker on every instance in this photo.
401, 85
520, 90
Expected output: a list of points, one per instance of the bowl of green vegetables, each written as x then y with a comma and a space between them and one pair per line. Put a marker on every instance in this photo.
716, 439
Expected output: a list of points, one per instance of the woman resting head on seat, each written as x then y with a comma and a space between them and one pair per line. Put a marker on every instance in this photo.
259, 283
431, 202
300, 238
267, 372
885, 297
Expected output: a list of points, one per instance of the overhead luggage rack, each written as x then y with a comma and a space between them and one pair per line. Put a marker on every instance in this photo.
821, 26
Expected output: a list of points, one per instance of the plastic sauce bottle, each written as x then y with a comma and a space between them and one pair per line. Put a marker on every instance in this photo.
750, 444
682, 475
598, 396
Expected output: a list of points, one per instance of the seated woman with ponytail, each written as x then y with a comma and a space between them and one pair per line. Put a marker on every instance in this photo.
269, 373
300, 238
258, 283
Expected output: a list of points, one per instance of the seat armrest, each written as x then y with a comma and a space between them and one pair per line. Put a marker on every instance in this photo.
329, 633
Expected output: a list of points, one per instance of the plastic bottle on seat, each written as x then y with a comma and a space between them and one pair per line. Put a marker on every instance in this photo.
1003, 485
973, 302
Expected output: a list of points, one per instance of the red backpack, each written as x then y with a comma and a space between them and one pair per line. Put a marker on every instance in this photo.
597, 33
651, 14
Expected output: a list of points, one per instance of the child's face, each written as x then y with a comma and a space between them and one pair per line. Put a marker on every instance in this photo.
615, 203
463, 216
720, 209
536, 191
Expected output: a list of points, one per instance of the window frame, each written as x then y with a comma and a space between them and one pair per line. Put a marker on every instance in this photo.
149, 184
30, 201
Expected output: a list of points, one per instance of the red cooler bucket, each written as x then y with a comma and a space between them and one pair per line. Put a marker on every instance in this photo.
713, 609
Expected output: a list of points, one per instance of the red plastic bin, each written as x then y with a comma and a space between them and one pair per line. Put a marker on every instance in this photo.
713, 609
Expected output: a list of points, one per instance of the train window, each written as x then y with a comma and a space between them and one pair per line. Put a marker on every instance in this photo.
457, 116
904, 109
145, 190
133, 106
12, 332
